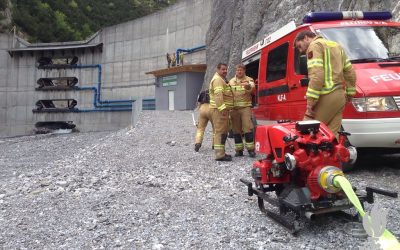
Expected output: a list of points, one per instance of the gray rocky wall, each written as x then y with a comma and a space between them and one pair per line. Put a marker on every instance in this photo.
237, 24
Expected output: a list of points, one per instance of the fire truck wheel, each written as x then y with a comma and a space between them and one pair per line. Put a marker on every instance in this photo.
348, 166
278, 189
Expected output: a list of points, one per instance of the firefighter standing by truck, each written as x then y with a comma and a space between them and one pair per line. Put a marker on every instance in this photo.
242, 88
203, 101
328, 69
221, 102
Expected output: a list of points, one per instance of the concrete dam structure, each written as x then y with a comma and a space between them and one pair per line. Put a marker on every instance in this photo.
93, 84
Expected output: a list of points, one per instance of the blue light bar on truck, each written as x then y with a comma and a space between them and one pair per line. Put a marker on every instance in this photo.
345, 15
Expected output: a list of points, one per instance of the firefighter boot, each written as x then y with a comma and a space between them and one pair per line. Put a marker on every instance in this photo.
252, 154
250, 144
226, 157
238, 145
239, 153
197, 147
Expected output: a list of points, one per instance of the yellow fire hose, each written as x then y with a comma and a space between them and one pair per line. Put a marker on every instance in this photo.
387, 240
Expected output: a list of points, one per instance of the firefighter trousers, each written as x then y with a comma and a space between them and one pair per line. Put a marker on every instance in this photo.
220, 123
242, 124
329, 109
202, 121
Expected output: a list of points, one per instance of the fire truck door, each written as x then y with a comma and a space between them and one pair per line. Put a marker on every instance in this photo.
273, 82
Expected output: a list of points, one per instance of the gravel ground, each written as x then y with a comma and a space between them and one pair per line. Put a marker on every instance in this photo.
146, 188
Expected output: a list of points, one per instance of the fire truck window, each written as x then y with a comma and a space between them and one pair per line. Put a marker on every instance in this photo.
297, 61
372, 42
277, 61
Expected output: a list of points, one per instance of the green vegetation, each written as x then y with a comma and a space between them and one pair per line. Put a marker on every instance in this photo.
3, 4
3, 7
71, 20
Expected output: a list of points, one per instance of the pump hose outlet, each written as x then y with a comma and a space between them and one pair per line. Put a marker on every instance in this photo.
326, 176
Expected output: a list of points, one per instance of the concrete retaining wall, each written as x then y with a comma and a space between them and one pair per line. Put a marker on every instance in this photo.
129, 50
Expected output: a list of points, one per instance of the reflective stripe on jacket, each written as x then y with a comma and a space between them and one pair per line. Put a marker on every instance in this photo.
328, 69
242, 96
221, 96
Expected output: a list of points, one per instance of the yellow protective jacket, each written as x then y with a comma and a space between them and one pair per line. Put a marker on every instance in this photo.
242, 96
328, 69
221, 96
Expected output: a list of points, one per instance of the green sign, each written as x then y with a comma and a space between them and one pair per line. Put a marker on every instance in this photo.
169, 80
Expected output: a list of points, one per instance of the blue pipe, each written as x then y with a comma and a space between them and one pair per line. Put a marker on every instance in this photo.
188, 51
95, 104
89, 88
99, 81
101, 106
101, 110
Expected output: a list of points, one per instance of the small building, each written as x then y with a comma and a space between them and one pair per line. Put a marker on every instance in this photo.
177, 88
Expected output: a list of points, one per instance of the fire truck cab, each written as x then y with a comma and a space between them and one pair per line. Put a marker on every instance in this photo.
371, 42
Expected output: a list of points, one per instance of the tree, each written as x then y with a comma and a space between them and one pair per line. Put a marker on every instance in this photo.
61, 20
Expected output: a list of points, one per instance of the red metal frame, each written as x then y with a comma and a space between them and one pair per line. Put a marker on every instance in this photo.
291, 105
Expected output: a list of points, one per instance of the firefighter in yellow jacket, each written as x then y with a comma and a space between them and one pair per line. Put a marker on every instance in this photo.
242, 87
203, 101
221, 102
332, 79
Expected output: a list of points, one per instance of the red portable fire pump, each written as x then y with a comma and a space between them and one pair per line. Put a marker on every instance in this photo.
302, 160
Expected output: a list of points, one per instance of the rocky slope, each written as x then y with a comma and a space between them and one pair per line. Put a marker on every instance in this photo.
237, 24
147, 189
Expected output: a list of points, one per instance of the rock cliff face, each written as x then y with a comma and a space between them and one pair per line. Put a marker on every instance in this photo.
237, 24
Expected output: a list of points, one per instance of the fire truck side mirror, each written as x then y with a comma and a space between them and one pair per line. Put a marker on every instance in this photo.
303, 65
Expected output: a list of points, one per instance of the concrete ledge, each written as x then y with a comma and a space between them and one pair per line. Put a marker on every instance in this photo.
177, 69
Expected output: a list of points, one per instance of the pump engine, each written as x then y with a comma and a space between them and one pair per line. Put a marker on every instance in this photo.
301, 162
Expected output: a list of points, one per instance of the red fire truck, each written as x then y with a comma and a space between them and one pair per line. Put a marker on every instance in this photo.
372, 43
